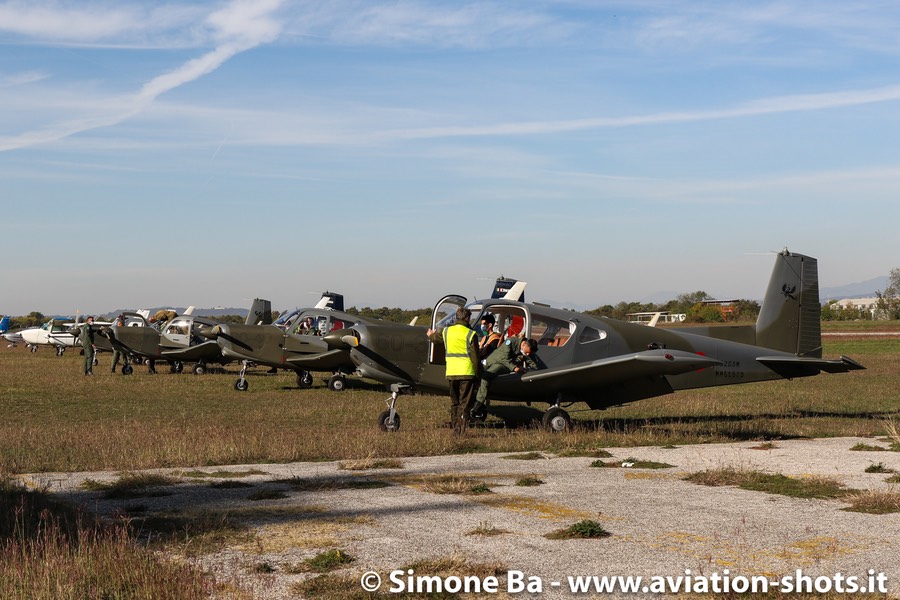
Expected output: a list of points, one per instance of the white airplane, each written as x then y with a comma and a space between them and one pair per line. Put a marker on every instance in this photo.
57, 332
13, 337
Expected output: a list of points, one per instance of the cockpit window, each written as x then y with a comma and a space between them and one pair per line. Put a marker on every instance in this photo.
551, 332
178, 327
589, 334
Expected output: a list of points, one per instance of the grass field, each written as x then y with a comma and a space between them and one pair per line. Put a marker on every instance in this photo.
55, 419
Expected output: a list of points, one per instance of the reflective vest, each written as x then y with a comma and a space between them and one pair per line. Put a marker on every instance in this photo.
456, 342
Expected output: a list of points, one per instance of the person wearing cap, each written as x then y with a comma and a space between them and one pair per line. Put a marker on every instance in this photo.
515, 355
461, 350
87, 343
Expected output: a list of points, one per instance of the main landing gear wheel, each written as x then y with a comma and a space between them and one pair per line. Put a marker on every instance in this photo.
60, 350
556, 419
304, 379
337, 383
138, 360
34, 348
199, 369
177, 367
241, 385
385, 422
95, 361
127, 370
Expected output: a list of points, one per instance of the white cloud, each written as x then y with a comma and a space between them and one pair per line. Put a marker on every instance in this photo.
239, 26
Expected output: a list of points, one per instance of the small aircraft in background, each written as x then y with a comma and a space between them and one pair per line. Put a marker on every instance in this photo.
59, 333
294, 342
604, 362
13, 337
175, 338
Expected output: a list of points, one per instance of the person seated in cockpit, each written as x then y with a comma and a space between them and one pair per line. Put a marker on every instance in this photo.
515, 355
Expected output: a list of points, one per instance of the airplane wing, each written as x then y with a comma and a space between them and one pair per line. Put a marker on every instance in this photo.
609, 371
801, 366
321, 361
196, 352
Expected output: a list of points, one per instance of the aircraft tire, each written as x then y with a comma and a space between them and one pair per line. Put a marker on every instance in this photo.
304, 379
385, 423
556, 419
138, 360
199, 369
177, 366
241, 385
337, 383
127, 369
34, 348
60, 350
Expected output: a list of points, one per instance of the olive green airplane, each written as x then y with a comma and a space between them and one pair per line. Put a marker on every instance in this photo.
604, 362
294, 341
175, 340
297, 340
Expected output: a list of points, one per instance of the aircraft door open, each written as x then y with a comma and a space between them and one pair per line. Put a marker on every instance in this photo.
444, 315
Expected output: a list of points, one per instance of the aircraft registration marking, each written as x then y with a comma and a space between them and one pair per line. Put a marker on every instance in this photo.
729, 369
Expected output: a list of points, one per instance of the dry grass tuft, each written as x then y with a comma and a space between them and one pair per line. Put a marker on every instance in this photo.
369, 463
525, 456
765, 446
220, 474
315, 484
632, 463
806, 487
323, 562
874, 502
585, 452
581, 530
487, 530
132, 485
453, 484
860, 447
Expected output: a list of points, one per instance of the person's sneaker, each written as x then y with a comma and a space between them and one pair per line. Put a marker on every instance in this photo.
478, 413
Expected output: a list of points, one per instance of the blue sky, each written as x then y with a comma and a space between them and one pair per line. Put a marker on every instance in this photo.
208, 153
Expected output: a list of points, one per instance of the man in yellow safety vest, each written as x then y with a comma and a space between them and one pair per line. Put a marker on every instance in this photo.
461, 349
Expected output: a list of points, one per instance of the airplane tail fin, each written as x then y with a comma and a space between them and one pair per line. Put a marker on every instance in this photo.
4, 324
260, 313
509, 289
790, 316
331, 300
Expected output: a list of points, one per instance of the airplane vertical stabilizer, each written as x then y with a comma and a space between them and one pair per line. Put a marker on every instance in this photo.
790, 316
260, 313
4, 324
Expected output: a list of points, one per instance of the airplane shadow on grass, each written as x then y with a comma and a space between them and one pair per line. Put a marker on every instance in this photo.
512, 416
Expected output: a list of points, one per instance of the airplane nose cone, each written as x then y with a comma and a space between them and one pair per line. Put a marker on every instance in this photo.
210, 333
342, 339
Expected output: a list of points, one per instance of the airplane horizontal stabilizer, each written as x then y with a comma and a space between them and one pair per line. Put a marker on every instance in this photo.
802, 366
609, 371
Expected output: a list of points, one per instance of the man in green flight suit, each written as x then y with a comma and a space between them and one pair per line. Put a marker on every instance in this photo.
87, 342
515, 355
117, 354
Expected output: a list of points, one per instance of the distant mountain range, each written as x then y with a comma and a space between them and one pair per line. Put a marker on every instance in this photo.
863, 289
218, 311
